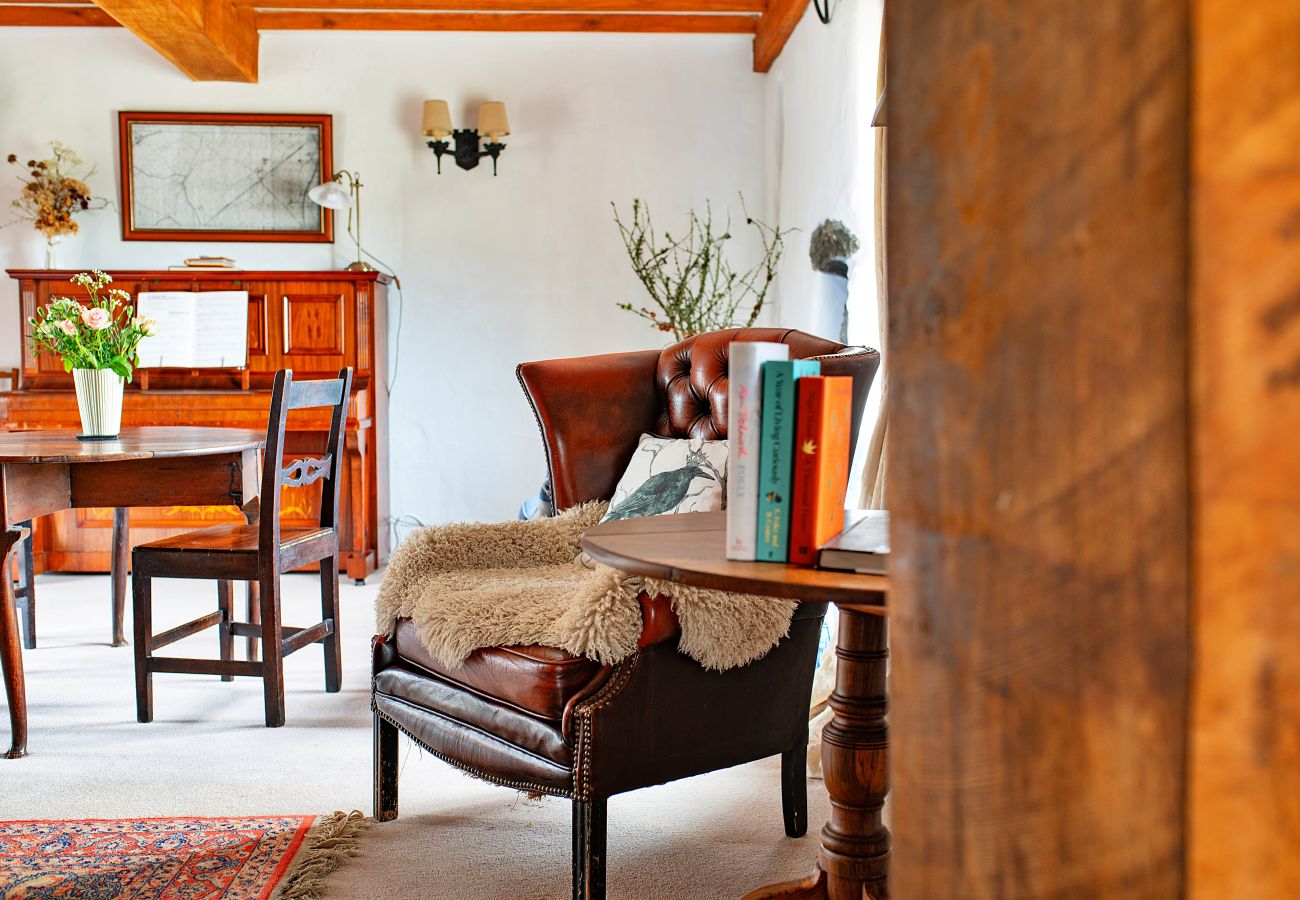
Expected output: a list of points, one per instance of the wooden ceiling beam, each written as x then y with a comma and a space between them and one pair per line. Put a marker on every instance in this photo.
508, 6
195, 45
59, 16
208, 40
774, 29
315, 20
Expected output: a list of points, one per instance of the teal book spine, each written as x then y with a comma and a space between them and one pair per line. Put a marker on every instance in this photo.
776, 455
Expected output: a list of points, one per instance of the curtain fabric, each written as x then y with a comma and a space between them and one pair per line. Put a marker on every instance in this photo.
873, 476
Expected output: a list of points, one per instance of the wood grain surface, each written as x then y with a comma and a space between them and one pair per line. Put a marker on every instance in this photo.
1038, 485
1245, 780
532, 6
690, 549
208, 40
133, 443
223, 46
42, 473
774, 29
233, 397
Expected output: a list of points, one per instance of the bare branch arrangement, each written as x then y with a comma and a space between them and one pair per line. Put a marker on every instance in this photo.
690, 278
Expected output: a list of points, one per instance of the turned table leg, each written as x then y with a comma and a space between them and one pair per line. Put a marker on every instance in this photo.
855, 842
118, 569
854, 859
11, 653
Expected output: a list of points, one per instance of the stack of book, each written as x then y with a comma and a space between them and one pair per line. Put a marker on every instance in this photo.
863, 545
205, 262
788, 434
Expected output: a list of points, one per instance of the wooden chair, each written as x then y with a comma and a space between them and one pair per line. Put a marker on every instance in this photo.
25, 575
25, 587
25, 581
257, 553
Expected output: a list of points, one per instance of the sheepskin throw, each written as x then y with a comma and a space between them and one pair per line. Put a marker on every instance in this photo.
517, 583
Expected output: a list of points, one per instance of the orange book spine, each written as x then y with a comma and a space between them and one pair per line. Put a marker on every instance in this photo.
821, 464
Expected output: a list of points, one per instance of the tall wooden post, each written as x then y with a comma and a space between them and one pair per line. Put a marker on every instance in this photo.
1244, 790
1095, 448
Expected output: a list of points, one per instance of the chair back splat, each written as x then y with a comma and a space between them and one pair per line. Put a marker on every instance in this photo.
286, 396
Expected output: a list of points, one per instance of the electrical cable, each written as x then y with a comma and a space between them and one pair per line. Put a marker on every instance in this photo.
401, 306
396, 523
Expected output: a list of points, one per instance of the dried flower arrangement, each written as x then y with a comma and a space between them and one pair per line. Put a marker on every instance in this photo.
104, 335
690, 279
53, 194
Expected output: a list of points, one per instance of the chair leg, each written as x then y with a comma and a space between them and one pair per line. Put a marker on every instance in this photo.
254, 613
27, 587
272, 651
589, 849
226, 605
329, 605
24, 613
386, 770
794, 790
142, 616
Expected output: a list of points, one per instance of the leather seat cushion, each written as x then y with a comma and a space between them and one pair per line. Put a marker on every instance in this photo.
538, 680
494, 724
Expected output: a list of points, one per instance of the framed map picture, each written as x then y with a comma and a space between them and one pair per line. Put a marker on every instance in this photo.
224, 176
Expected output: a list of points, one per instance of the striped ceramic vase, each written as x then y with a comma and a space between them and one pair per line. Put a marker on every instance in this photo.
99, 400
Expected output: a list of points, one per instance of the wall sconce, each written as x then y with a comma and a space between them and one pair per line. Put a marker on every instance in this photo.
492, 124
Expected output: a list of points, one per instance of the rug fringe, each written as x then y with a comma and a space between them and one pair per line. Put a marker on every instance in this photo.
332, 841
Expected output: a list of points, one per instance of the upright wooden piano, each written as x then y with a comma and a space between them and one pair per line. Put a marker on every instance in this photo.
314, 323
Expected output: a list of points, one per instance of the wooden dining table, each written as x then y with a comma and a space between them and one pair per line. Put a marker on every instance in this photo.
43, 472
690, 549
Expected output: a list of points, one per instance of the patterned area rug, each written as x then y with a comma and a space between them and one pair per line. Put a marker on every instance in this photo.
243, 858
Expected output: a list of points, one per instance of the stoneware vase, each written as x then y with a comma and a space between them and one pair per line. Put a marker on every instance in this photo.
99, 400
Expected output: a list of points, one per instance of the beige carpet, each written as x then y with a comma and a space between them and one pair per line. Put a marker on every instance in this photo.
207, 753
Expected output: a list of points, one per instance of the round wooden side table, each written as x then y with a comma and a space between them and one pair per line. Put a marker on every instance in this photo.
854, 860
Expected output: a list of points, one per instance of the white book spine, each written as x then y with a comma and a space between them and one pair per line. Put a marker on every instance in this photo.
744, 405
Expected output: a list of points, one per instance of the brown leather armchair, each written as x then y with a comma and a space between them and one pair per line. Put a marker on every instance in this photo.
538, 719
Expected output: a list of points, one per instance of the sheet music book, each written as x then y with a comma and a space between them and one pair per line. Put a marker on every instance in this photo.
203, 330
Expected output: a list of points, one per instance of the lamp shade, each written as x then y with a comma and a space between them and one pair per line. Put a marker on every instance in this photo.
437, 119
331, 195
492, 122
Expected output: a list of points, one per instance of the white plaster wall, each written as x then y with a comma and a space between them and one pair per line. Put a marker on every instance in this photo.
821, 94
496, 271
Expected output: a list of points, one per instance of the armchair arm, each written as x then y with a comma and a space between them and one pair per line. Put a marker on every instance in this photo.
591, 410
513, 544
477, 545
860, 364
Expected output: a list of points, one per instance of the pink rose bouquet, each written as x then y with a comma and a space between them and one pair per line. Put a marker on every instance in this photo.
95, 318
101, 333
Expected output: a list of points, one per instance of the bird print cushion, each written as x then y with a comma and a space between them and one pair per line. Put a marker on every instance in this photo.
671, 475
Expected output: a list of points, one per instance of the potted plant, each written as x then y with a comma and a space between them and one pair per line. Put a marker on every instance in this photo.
52, 195
829, 248
690, 279
99, 344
